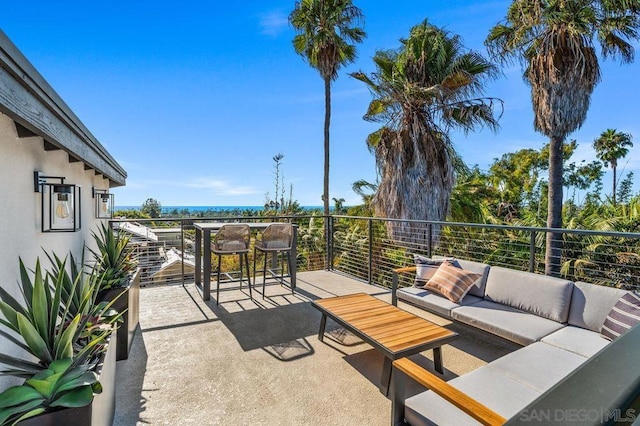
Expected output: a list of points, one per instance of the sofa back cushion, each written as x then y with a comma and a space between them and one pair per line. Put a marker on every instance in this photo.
479, 286
590, 305
425, 269
545, 296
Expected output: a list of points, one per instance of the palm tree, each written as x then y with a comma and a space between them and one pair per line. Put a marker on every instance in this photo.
338, 205
420, 92
610, 147
327, 33
554, 40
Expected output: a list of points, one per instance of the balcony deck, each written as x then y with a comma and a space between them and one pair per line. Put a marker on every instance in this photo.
260, 361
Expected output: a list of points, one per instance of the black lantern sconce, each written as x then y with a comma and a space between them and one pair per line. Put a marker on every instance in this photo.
60, 203
103, 203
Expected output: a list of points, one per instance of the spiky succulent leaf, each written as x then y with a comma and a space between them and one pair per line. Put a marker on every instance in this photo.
63, 345
75, 398
25, 281
18, 395
40, 306
11, 316
88, 378
30, 409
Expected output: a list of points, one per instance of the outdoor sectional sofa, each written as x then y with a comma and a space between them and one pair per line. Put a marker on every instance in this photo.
557, 321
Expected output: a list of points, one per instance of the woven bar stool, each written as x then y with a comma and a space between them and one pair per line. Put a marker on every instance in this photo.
276, 239
232, 240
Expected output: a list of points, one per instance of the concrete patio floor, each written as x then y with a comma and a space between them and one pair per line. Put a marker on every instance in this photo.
260, 361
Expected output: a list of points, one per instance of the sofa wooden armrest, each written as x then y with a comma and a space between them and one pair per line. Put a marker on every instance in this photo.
394, 281
405, 269
464, 402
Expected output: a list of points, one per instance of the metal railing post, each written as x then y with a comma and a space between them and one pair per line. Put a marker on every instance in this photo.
182, 248
331, 224
429, 239
370, 255
327, 242
532, 252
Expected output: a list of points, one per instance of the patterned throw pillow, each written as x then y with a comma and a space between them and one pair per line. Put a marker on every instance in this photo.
452, 282
624, 315
425, 268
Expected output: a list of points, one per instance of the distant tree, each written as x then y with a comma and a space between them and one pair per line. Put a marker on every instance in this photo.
581, 177
516, 175
152, 207
554, 40
610, 147
131, 214
279, 181
625, 189
327, 33
338, 205
421, 91
280, 205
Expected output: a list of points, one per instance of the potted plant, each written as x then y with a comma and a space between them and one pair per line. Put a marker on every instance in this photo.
114, 261
61, 385
67, 332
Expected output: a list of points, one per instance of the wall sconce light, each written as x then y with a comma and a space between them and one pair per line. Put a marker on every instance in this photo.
103, 203
60, 203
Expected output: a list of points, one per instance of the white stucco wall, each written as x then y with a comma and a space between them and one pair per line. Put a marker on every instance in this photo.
20, 221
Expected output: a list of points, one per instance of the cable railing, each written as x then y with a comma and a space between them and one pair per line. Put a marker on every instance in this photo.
361, 247
165, 247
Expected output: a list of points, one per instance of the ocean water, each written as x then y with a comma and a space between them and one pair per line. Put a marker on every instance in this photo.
166, 209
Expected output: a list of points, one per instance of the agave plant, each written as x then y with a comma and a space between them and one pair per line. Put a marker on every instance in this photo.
113, 257
60, 385
58, 319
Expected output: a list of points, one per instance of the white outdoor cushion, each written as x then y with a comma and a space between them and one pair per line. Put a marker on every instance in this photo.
541, 295
577, 340
433, 302
538, 365
498, 392
590, 304
512, 324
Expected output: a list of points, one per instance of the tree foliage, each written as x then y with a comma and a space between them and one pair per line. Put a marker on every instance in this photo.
327, 34
555, 42
152, 208
421, 91
610, 147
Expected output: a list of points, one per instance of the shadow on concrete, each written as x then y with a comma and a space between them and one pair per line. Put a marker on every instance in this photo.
290, 351
129, 381
278, 329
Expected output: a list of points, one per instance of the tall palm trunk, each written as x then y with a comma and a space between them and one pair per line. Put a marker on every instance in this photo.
554, 212
325, 191
614, 166
327, 122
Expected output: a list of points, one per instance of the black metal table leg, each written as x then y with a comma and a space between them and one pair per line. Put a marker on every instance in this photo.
437, 360
386, 376
323, 324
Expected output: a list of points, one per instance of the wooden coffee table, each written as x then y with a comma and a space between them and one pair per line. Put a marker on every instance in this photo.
390, 330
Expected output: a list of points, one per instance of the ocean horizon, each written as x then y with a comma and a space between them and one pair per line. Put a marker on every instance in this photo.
166, 209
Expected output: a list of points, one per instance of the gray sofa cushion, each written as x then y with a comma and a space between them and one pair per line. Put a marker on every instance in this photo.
577, 340
590, 305
538, 365
498, 392
433, 302
478, 287
541, 295
425, 269
512, 324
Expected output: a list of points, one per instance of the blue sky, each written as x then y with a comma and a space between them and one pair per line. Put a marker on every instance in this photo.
194, 98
